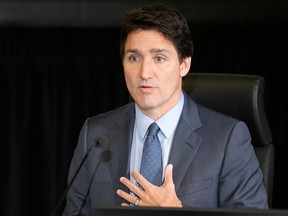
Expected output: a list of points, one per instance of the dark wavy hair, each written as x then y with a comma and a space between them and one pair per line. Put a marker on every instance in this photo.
160, 17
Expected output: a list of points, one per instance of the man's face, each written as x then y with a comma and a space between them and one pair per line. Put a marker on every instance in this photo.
153, 72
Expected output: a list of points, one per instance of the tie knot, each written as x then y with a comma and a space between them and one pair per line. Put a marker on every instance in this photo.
153, 129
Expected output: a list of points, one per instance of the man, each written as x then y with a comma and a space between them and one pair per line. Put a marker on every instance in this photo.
207, 158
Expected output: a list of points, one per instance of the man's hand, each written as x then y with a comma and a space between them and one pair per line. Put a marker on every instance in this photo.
163, 196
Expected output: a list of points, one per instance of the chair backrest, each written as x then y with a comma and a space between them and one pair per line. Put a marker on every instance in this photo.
240, 96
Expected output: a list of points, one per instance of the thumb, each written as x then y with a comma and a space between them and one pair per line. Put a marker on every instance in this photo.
168, 174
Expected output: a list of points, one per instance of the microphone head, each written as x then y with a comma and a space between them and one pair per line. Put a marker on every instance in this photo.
106, 156
101, 142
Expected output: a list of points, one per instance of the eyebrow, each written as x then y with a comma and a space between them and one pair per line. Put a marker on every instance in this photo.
157, 50
152, 51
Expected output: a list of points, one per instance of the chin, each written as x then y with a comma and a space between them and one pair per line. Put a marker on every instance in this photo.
146, 105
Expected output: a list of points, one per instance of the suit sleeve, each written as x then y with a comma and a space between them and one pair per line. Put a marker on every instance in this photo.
241, 179
77, 192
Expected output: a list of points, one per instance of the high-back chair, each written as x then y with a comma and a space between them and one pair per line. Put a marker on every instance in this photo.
240, 96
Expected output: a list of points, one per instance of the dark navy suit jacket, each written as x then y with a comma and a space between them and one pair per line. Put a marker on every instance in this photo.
215, 165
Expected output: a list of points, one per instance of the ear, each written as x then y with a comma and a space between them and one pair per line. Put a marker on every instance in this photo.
185, 66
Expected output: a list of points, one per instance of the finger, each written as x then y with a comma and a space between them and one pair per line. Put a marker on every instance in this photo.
123, 194
130, 185
127, 196
137, 201
141, 180
168, 174
130, 198
124, 204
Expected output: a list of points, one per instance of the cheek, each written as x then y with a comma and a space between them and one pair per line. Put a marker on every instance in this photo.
172, 80
169, 75
127, 73
129, 79
129, 70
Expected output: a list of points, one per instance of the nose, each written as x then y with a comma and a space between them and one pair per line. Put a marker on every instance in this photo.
146, 70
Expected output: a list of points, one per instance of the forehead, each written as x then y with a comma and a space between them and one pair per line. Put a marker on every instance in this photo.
148, 40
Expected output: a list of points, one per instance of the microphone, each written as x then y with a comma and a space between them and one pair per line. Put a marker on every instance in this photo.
100, 142
105, 157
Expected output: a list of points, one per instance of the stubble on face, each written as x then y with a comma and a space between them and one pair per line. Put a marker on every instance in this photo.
152, 72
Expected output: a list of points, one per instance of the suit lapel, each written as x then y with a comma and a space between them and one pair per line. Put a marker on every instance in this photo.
121, 139
186, 142
184, 147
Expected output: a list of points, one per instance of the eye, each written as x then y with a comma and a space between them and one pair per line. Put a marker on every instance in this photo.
133, 58
159, 59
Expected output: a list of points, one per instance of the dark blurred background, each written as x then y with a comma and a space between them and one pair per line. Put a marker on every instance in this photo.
60, 63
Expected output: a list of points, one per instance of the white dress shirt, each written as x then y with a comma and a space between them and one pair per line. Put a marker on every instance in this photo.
167, 124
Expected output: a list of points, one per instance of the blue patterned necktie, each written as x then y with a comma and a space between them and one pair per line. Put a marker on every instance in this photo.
151, 165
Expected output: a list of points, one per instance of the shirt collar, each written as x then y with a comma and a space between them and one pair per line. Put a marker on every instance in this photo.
167, 123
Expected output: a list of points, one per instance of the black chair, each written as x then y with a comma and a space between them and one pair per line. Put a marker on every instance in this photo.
240, 96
